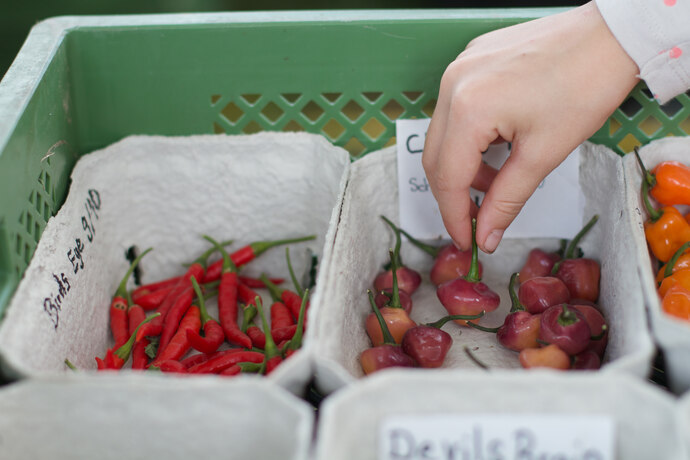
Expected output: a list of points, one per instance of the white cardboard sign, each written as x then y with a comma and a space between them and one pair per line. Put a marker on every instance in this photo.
497, 437
555, 210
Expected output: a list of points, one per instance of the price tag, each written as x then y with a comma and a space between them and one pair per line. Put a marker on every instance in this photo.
555, 209
497, 437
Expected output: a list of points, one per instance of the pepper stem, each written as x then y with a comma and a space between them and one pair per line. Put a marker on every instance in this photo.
271, 349
398, 243
248, 315
125, 349
296, 340
429, 249
654, 214
203, 258
516, 304
648, 177
274, 290
69, 364
483, 328
442, 322
298, 286
668, 270
473, 273
567, 316
205, 317
387, 336
394, 301
570, 251
599, 336
228, 265
259, 247
474, 358
122, 288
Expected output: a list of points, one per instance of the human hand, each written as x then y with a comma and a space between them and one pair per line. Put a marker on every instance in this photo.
545, 86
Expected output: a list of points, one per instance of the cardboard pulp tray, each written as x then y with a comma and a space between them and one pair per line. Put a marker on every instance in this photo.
166, 193
361, 250
672, 334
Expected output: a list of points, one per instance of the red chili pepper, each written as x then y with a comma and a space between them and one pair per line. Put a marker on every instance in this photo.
213, 332
116, 358
280, 316
147, 289
171, 366
291, 299
152, 300
257, 336
223, 361
248, 253
284, 333
256, 283
136, 315
179, 345
295, 341
196, 270
271, 350
246, 294
272, 363
227, 300
172, 320
118, 305
230, 371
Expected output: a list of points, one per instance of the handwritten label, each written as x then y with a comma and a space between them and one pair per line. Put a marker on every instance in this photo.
497, 437
52, 303
555, 209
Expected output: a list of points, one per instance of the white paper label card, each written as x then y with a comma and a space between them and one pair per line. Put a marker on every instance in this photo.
555, 209
497, 437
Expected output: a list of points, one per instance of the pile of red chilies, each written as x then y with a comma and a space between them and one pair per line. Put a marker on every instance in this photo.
180, 336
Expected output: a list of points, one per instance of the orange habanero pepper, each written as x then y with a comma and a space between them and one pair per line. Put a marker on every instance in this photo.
676, 302
669, 182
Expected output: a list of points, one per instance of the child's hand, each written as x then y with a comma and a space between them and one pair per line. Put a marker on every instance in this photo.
546, 86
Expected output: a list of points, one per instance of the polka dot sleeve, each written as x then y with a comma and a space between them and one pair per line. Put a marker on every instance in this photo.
656, 35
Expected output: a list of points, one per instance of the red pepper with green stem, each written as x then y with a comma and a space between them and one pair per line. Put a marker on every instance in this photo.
136, 315
408, 280
388, 353
467, 295
272, 354
227, 300
580, 274
213, 332
397, 319
172, 320
449, 261
116, 358
248, 253
118, 306
290, 299
196, 270
179, 343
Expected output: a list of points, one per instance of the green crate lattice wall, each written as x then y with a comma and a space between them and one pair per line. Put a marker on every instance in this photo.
364, 122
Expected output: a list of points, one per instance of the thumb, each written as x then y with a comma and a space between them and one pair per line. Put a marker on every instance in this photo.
515, 182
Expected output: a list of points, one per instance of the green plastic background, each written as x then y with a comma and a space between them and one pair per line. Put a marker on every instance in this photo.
349, 81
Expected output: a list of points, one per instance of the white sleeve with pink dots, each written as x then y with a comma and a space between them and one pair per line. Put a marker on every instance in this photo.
656, 35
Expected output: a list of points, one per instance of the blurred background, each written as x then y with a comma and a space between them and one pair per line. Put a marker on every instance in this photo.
17, 18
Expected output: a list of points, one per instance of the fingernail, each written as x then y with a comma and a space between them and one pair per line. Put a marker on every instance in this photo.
491, 242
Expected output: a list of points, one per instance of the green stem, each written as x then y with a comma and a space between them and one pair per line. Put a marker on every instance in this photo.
515, 301
668, 271
125, 349
599, 336
493, 330
248, 315
296, 340
654, 214
69, 364
394, 301
228, 265
387, 336
429, 249
205, 317
122, 288
298, 286
274, 290
203, 258
259, 247
567, 316
255, 368
647, 176
442, 322
271, 349
575, 241
398, 243
473, 273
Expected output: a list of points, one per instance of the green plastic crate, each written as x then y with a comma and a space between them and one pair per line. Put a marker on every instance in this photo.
80, 83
